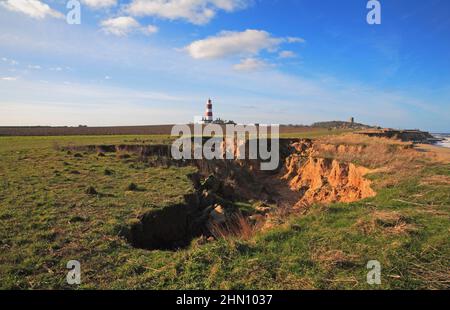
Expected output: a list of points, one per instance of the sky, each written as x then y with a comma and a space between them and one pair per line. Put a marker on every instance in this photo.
141, 62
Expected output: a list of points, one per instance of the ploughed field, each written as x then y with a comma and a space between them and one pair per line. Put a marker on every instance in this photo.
131, 130
336, 203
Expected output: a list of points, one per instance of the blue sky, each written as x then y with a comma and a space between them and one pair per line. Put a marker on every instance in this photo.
142, 62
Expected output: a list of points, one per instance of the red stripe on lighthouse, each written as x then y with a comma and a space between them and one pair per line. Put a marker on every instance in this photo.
208, 112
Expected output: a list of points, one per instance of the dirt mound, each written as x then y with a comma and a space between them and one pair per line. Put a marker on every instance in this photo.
324, 180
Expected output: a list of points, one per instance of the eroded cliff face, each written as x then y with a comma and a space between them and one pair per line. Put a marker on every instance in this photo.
307, 173
323, 180
302, 179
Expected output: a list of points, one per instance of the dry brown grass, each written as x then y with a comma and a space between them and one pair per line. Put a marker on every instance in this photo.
366, 151
436, 180
388, 222
356, 139
395, 159
434, 273
236, 228
293, 282
435, 153
123, 154
333, 258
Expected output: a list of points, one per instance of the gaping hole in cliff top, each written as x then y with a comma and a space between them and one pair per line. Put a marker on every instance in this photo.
230, 193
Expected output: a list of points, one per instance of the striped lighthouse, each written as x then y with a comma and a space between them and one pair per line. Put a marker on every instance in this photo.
209, 112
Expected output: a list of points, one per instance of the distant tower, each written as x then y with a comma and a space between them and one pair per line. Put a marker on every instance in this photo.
209, 112
352, 120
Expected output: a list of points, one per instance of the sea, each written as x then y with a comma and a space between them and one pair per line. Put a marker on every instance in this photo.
445, 136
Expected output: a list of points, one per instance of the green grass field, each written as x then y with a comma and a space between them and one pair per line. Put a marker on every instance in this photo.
47, 219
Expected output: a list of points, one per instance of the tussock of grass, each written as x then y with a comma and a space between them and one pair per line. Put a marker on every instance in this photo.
132, 187
238, 228
387, 222
90, 190
108, 172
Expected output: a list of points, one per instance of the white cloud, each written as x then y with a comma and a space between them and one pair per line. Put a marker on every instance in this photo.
250, 64
150, 29
287, 54
246, 43
12, 62
124, 25
228, 43
98, 4
194, 11
8, 78
295, 40
308, 99
35, 67
62, 103
120, 26
33, 8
